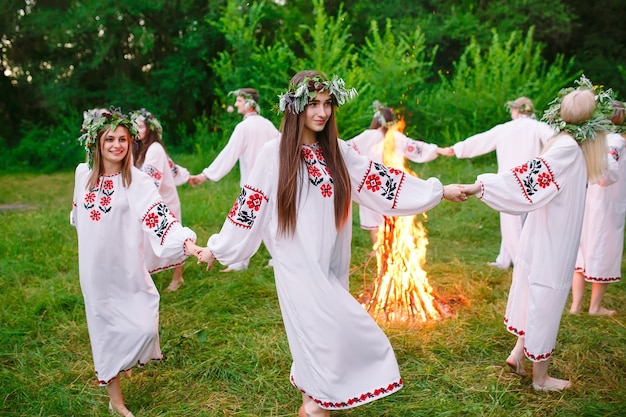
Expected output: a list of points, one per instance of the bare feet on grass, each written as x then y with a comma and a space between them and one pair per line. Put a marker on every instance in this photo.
602, 312
552, 384
175, 284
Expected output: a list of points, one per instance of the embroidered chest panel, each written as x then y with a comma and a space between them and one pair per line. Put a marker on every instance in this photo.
317, 170
615, 153
97, 201
534, 177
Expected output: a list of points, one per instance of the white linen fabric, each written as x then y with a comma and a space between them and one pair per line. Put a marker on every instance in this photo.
602, 240
341, 358
121, 300
515, 142
551, 189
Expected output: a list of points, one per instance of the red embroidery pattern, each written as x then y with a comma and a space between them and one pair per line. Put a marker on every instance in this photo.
540, 357
351, 402
245, 210
598, 279
319, 174
104, 206
533, 177
384, 181
159, 220
154, 173
512, 329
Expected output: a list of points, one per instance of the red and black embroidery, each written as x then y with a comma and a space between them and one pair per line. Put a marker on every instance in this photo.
414, 148
159, 219
245, 210
382, 180
317, 170
534, 176
614, 152
105, 188
351, 402
512, 329
154, 173
540, 357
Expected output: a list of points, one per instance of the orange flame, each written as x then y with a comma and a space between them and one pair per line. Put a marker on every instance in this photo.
401, 290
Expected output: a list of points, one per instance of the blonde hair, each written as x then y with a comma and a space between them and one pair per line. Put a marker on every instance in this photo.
577, 107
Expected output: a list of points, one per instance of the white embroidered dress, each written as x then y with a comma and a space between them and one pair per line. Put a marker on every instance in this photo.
602, 240
551, 188
166, 176
370, 143
341, 358
121, 301
515, 142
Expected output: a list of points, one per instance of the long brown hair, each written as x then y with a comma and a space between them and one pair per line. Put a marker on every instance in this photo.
291, 170
142, 145
98, 165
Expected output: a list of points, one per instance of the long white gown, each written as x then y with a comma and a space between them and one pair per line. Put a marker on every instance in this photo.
341, 358
166, 176
515, 142
121, 300
551, 188
370, 144
602, 240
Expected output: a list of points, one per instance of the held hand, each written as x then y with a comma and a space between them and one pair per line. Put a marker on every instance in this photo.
197, 180
446, 151
192, 248
453, 192
471, 189
206, 256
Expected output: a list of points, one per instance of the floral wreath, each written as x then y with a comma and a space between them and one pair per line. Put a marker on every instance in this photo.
599, 120
248, 100
380, 118
297, 96
148, 118
96, 120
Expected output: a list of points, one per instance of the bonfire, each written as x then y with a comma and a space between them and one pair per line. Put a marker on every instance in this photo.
401, 290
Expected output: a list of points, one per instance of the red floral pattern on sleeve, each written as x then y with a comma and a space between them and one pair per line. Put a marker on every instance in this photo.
245, 210
159, 220
533, 177
383, 180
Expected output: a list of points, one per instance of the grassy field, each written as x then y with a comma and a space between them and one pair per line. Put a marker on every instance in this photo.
225, 351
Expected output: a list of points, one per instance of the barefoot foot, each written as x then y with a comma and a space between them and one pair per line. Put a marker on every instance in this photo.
552, 384
602, 312
175, 285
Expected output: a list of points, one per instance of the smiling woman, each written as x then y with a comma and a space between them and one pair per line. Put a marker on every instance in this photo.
116, 207
300, 190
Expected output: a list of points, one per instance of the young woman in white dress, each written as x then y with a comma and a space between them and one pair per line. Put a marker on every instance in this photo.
151, 157
115, 209
300, 190
551, 188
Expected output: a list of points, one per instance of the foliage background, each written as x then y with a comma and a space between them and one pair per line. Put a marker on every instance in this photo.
446, 66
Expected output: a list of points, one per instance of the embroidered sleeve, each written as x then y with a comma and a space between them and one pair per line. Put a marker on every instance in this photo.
246, 208
383, 181
158, 220
155, 174
534, 177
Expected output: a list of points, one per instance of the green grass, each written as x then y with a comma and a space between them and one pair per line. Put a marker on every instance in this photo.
225, 351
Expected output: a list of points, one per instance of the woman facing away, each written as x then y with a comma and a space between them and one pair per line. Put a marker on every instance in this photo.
601, 248
371, 142
301, 189
151, 157
551, 188
115, 209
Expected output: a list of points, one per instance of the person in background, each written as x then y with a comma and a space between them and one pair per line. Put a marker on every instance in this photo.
300, 190
151, 157
515, 142
602, 241
370, 143
115, 209
551, 188
244, 145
